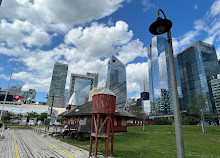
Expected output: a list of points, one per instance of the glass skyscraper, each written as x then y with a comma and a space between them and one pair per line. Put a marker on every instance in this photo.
57, 86
81, 86
116, 80
197, 64
159, 76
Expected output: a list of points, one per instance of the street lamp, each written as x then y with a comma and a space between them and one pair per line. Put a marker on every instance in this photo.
161, 26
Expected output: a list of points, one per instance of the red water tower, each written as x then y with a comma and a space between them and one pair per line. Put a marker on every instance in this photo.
103, 117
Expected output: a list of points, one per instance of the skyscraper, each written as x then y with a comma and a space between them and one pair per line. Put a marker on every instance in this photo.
15, 90
159, 76
197, 64
215, 86
29, 96
116, 80
81, 85
57, 86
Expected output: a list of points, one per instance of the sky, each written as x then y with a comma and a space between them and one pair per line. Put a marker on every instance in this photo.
34, 34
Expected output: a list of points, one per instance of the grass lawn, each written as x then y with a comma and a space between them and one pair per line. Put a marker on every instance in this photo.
157, 141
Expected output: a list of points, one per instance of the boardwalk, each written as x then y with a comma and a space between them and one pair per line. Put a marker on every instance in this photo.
27, 144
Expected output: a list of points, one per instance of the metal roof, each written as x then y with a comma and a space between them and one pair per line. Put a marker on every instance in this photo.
105, 91
86, 109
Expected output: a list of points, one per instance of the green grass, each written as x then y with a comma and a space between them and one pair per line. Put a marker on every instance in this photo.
157, 141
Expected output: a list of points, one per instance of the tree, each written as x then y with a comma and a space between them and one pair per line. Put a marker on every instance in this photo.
42, 116
197, 107
32, 114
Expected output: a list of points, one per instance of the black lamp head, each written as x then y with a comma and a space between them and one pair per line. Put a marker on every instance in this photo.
160, 26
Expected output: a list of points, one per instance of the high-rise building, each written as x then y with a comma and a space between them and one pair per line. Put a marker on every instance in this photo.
81, 85
159, 76
29, 96
15, 90
215, 86
66, 96
197, 64
57, 86
144, 86
116, 80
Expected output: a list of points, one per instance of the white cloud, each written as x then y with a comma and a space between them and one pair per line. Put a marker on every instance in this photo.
209, 26
55, 12
215, 8
23, 32
147, 5
82, 49
183, 41
99, 40
130, 51
135, 75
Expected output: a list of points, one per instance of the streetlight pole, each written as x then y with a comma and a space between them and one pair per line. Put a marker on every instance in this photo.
176, 108
51, 110
5, 97
161, 26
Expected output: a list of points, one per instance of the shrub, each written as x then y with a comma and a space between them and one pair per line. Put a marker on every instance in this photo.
190, 120
162, 121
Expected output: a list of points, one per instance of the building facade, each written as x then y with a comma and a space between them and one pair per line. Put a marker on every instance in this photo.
215, 86
57, 86
15, 90
159, 77
29, 96
81, 86
197, 64
116, 80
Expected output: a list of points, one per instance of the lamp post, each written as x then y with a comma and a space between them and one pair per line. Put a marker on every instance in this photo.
6, 94
51, 110
161, 26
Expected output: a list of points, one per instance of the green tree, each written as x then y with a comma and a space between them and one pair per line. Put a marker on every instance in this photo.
32, 114
198, 106
42, 116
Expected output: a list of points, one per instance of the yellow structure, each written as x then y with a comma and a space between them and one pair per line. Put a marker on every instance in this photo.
94, 91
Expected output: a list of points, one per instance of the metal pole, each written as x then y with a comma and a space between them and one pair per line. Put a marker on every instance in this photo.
176, 106
51, 109
5, 97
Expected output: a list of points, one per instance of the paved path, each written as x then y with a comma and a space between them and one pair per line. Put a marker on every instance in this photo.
27, 144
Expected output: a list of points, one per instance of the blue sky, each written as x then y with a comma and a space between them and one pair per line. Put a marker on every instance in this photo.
84, 34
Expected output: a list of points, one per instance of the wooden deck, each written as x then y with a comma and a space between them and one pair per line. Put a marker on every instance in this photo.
28, 144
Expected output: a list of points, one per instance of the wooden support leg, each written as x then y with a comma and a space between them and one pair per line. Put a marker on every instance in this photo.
107, 139
97, 134
112, 134
91, 138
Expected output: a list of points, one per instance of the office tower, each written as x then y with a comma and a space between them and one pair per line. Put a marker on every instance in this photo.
116, 80
159, 76
95, 80
15, 90
57, 86
66, 96
197, 64
215, 87
144, 86
29, 96
81, 85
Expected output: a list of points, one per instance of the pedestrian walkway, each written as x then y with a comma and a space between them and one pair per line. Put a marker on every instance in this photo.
27, 144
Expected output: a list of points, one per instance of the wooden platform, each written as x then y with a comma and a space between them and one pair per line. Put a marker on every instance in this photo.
28, 144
